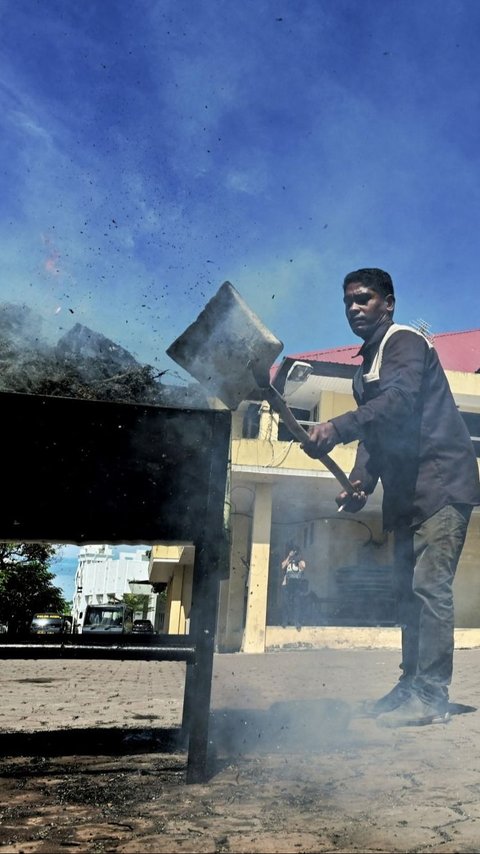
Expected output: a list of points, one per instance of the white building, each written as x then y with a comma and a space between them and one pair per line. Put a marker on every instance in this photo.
103, 578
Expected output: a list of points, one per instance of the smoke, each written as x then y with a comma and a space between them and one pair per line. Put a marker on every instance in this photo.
299, 726
83, 363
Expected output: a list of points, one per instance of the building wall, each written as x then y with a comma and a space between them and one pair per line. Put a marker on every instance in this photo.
172, 565
179, 600
101, 578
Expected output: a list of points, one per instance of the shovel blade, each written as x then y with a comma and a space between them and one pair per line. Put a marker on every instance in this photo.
226, 347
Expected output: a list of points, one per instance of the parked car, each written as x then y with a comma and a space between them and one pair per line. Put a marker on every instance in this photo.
49, 624
142, 627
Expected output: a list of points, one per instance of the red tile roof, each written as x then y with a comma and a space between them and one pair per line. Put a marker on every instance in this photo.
457, 351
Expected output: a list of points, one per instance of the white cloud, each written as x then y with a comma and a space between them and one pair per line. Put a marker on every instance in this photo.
27, 124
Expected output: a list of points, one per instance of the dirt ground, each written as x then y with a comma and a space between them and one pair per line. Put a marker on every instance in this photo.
90, 759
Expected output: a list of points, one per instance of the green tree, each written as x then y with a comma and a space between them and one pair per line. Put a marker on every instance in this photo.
138, 602
26, 583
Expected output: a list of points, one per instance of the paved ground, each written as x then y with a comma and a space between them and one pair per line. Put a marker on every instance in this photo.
296, 770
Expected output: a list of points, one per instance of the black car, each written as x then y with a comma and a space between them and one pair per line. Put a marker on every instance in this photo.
142, 627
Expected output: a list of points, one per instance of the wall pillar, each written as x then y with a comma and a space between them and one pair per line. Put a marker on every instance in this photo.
239, 554
187, 587
222, 615
175, 610
254, 636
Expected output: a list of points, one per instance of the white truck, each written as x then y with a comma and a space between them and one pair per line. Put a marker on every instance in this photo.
110, 619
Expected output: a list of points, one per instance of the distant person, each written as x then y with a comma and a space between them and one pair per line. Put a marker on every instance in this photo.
413, 438
293, 588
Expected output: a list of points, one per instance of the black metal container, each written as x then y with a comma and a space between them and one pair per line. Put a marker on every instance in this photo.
80, 471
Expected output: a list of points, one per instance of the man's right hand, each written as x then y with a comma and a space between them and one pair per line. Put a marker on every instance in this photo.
322, 438
352, 503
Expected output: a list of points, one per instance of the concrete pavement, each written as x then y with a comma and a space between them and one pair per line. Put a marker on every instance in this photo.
300, 770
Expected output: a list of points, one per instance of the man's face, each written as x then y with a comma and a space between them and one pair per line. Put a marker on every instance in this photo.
366, 309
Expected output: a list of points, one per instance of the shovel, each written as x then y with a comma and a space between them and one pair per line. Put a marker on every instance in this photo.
230, 352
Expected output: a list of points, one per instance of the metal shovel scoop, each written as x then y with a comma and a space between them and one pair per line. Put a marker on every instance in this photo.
230, 352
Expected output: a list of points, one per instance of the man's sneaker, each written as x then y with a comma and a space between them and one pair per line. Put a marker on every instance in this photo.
399, 694
414, 712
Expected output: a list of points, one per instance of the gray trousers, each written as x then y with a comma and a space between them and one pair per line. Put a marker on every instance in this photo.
426, 559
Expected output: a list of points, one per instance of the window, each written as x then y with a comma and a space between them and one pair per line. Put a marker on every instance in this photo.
251, 422
284, 434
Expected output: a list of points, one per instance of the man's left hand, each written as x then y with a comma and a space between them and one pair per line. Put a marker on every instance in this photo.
322, 438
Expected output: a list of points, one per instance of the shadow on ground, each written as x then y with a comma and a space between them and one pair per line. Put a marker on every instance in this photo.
114, 741
295, 725
460, 709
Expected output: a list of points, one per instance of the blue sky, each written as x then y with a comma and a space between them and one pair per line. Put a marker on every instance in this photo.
151, 150
64, 568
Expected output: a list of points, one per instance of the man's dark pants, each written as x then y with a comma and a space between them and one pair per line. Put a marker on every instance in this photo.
426, 558
292, 601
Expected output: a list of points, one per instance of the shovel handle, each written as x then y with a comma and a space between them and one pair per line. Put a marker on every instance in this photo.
278, 404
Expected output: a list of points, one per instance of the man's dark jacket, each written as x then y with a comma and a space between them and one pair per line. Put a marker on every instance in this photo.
410, 432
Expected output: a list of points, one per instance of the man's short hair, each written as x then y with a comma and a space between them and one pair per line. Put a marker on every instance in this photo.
371, 277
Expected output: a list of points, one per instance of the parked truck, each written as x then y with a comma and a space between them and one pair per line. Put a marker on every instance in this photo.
111, 619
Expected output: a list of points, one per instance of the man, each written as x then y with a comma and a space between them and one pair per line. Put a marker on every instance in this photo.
413, 438
293, 587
